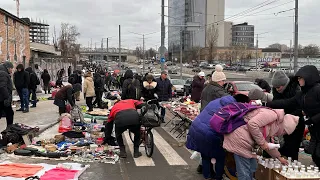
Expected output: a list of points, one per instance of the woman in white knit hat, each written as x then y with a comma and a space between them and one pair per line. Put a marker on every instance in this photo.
214, 89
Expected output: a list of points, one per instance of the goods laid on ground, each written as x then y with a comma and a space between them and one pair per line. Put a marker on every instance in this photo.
272, 169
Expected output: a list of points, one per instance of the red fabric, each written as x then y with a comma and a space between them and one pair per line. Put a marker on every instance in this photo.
19, 170
122, 105
59, 174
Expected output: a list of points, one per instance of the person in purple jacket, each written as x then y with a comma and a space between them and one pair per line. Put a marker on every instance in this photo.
203, 139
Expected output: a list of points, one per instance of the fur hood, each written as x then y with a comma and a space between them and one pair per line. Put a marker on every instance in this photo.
149, 86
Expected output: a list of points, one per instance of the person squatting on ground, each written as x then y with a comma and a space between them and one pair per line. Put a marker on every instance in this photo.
309, 101
34, 81
203, 139
6, 92
286, 88
64, 95
125, 116
21, 81
88, 90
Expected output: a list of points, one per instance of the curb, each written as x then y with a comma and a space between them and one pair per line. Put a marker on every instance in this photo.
45, 128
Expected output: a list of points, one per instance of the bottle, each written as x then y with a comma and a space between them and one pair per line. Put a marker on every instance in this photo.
273, 146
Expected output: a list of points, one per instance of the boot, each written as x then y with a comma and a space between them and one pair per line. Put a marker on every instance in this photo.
123, 153
199, 169
136, 152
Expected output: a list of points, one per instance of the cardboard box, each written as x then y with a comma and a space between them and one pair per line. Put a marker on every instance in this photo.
278, 176
263, 173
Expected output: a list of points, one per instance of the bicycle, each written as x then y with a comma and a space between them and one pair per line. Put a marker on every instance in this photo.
150, 118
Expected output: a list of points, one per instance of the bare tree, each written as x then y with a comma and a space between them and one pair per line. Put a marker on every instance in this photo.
311, 50
212, 38
281, 47
194, 53
150, 53
138, 52
68, 40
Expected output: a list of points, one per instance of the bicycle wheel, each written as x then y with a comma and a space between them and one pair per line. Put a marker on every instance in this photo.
149, 143
131, 135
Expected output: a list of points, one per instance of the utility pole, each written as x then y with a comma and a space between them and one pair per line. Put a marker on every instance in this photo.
181, 32
107, 50
102, 49
296, 36
257, 44
119, 45
290, 56
162, 48
143, 54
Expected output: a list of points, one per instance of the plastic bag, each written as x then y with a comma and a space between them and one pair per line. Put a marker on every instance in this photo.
65, 124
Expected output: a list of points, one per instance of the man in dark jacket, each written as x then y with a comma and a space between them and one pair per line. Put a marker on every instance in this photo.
164, 91
309, 101
286, 88
65, 94
125, 116
21, 81
197, 87
46, 80
99, 82
214, 89
6, 92
69, 71
263, 84
131, 88
34, 81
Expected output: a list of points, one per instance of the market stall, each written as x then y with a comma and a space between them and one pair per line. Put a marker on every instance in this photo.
183, 112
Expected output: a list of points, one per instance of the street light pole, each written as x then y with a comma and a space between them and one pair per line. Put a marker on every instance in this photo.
143, 54
296, 36
162, 49
181, 32
119, 46
257, 51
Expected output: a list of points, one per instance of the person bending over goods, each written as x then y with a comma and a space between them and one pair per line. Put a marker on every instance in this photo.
125, 116
65, 94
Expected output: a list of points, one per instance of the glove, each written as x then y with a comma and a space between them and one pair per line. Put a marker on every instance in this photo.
7, 102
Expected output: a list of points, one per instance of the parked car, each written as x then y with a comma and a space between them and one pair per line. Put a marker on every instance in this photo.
169, 63
173, 71
196, 70
190, 66
203, 65
240, 87
187, 86
178, 86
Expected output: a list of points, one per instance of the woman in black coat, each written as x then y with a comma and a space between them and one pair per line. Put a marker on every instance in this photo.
309, 101
197, 87
46, 80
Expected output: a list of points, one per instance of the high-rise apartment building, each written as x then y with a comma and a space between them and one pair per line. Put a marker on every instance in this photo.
208, 13
243, 34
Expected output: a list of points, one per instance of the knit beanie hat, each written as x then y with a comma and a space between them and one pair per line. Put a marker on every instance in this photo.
257, 94
279, 79
8, 65
290, 123
218, 75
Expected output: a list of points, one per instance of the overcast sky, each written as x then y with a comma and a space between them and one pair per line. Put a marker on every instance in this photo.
100, 18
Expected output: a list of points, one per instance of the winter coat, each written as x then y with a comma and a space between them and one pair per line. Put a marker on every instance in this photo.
260, 122
211, 92
308, 99
124, 113
164, 89
5, 84
263, 84
66, 94
149, 90
33, 78
131, 87
99, 82
21, 79
88, 87
197, 87
201, 137
45, 77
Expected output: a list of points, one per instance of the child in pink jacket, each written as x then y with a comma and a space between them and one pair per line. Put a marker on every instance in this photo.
261, 124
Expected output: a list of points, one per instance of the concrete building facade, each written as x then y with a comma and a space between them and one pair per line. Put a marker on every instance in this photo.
39, 32
14, 39
243, 34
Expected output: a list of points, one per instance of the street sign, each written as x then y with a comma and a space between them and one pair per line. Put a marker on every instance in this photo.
163, 60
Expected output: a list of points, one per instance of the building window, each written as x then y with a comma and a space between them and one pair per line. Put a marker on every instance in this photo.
6, 19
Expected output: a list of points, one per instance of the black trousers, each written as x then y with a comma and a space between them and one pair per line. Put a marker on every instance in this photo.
98, 98
293, 141
8, 112
89, 103
33, 94
135, 129
62, 110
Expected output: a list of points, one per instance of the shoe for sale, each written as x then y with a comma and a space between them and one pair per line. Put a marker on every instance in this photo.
199, 169
26, 111
123, 153
19, 109
137, 153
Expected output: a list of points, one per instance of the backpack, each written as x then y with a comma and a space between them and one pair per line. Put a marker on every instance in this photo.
72, 79
230, 117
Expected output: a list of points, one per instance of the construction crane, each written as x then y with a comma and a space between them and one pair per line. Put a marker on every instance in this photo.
18, 6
